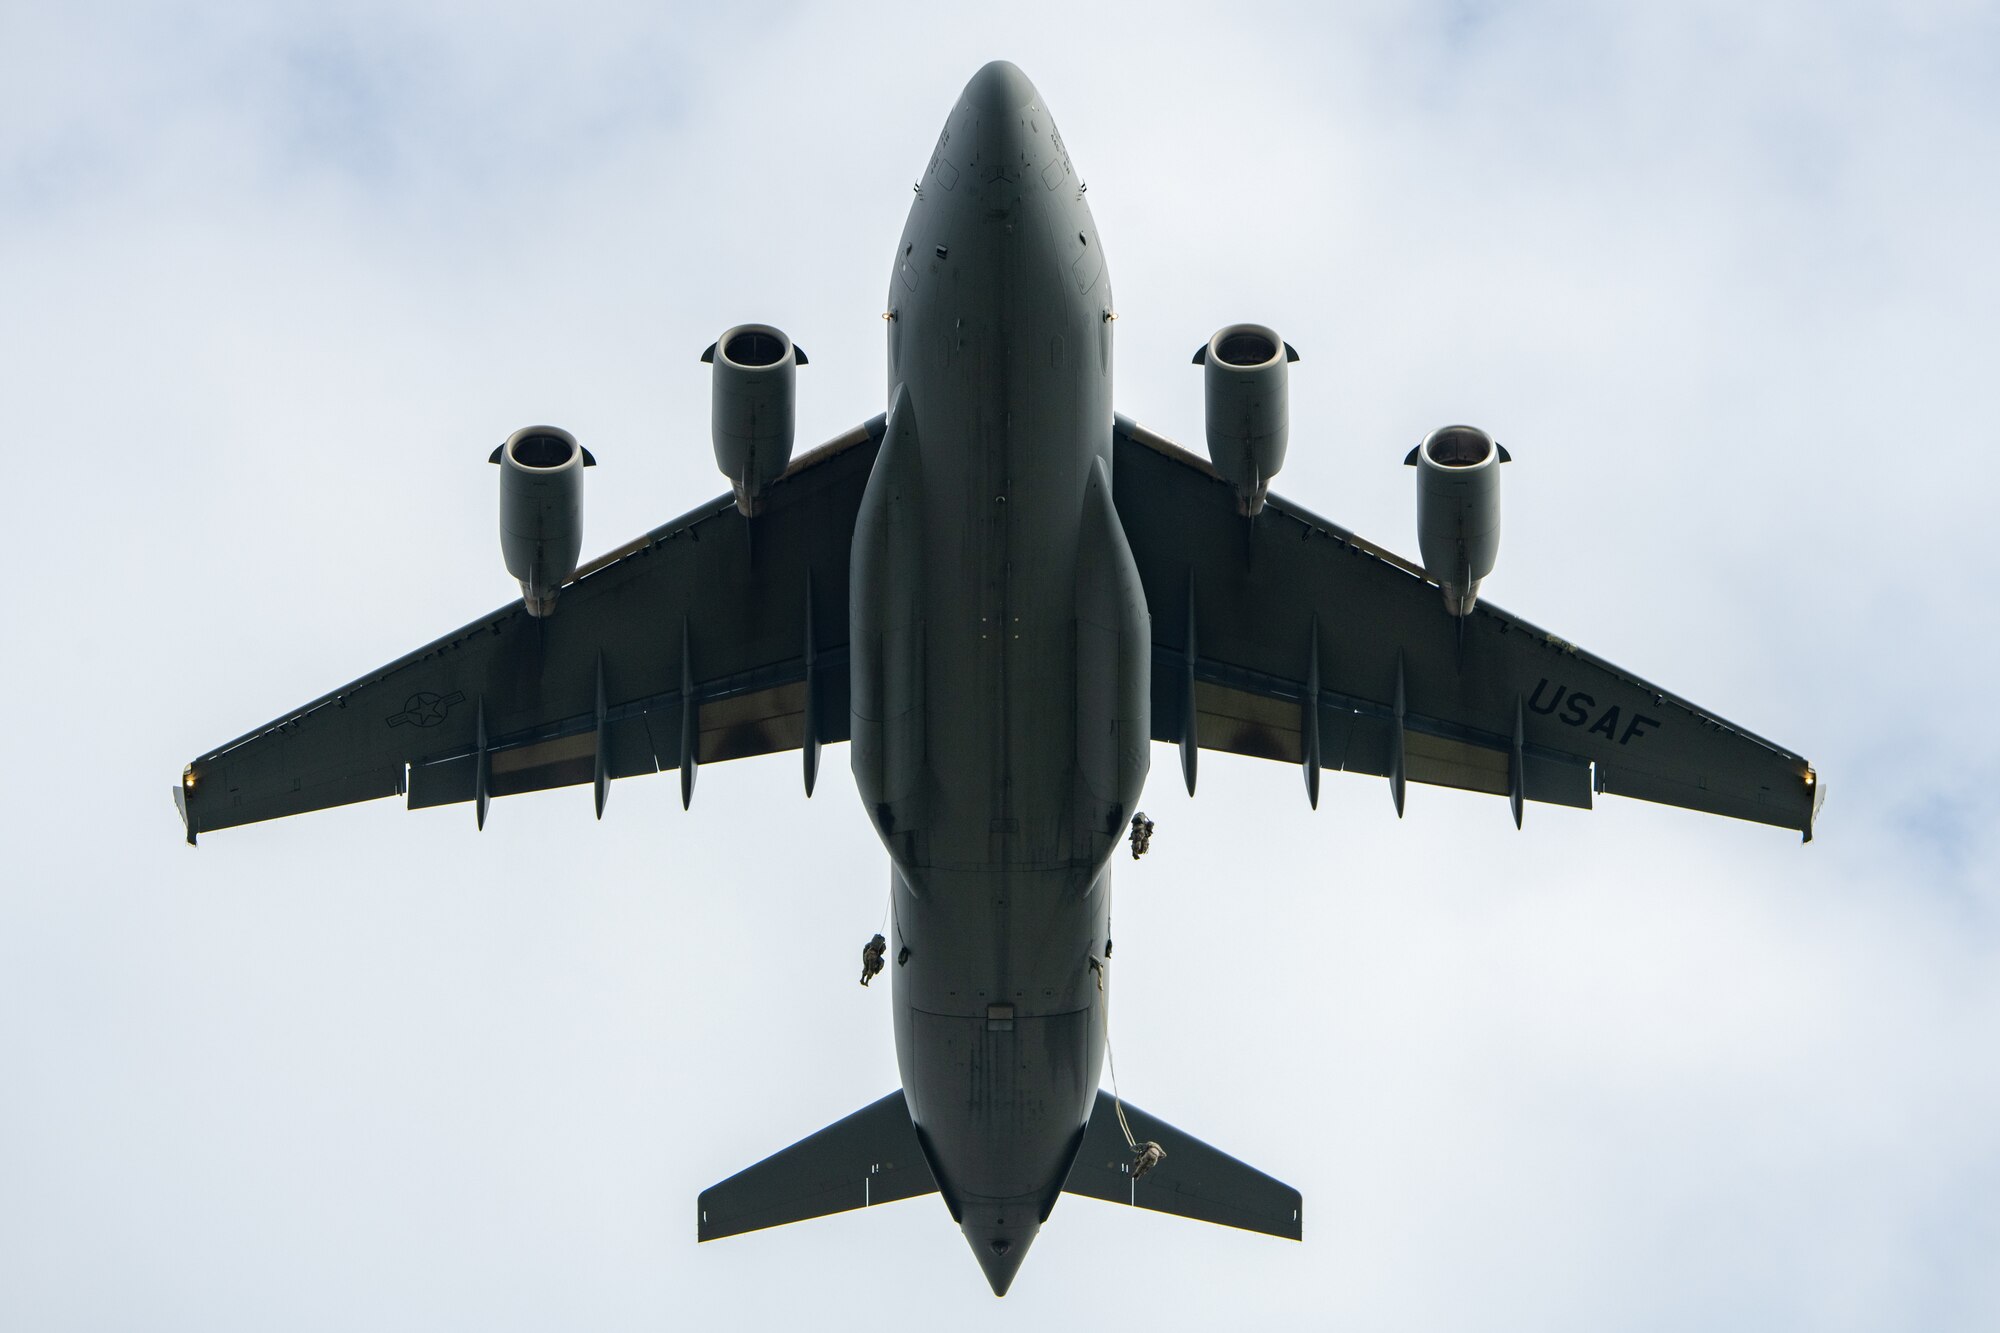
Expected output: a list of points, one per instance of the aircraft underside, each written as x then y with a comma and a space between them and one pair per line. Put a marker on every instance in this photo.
1001, 678
1002, 595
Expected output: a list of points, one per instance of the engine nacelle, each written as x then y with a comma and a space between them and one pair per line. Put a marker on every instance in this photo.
1249, 416
1458, 509
541, 510
753, 415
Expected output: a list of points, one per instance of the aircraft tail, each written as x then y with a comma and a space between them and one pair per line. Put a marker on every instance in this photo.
870, 1157
1193, 1180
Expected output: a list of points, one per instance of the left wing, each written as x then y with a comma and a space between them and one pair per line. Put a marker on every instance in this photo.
713, 637
1290, 638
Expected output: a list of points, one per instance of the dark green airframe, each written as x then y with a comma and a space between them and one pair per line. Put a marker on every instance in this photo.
1001, 594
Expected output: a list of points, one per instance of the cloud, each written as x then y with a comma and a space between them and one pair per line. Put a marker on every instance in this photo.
278, 282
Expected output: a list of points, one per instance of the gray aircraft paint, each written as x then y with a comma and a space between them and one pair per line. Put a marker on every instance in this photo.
996, 659
1001, 661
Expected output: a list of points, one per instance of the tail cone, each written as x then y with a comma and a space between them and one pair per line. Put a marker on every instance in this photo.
1000, 1241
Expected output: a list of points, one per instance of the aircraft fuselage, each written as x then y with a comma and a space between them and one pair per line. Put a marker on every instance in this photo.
1001, 661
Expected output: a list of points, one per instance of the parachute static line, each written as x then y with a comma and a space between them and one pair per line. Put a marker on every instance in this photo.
1147, 1155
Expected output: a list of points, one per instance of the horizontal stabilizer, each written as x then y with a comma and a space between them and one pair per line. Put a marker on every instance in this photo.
870, 1157
1194, 1180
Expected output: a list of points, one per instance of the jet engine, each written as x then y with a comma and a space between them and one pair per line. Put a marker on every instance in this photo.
752, 417
1249, 418
1458, 509
541, 510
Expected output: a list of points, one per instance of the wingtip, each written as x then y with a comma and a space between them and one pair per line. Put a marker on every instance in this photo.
181, 805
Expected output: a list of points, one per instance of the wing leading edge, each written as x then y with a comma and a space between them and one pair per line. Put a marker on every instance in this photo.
709, 638
1293, 639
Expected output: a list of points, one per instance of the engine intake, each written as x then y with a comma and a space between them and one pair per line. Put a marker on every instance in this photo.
541, 510
1249, 416
753, 415
1458, 509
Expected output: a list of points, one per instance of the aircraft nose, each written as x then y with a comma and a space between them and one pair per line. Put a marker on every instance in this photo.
1000, 90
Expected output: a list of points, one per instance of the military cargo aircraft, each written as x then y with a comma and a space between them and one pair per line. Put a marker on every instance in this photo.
1000, 593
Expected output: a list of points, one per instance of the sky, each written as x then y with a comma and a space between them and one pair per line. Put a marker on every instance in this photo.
273, 282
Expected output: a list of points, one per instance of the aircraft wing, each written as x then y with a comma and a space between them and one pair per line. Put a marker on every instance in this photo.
713, 637
1293, 639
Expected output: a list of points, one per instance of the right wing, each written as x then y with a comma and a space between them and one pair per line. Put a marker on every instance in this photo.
712, 637
1290, 638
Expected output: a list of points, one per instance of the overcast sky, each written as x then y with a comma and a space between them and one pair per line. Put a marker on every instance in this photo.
1723, 279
